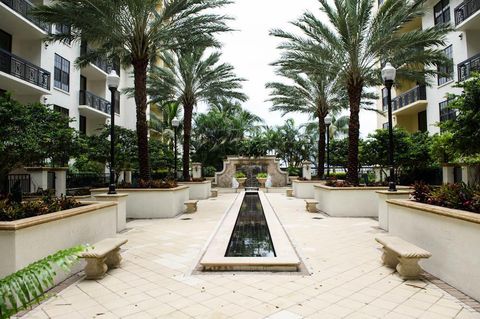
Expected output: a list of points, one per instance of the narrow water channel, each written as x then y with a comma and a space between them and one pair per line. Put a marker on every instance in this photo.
251, 237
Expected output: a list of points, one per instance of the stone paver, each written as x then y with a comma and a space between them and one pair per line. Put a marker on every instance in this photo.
345, 277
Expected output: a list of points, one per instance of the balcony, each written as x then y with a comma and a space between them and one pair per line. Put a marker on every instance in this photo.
13, 24
467, 15
93, 105
20, 76
98, 69
466, 68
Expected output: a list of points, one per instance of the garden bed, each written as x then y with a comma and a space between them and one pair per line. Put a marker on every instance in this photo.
26, 240
451, 235
153, 202
348, 201
305, 189
199, 190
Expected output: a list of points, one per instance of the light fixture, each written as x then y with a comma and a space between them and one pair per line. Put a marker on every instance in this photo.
389, 72
175, 122
113, 80
328, 120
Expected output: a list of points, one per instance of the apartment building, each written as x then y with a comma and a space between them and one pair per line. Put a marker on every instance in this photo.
419, 107
34, 71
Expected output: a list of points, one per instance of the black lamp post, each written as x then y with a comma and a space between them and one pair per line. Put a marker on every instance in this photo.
388, 75
113, 80
328, 122
175, 124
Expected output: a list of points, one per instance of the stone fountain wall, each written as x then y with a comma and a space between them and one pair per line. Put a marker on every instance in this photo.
232, 163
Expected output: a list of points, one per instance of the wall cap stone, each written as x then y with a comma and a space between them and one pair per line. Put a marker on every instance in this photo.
178, 188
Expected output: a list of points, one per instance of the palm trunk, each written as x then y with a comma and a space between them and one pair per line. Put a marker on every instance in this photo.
140, 76
187, 132
321, 146
355, 89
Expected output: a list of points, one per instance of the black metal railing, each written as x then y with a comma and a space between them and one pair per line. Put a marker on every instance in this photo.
466, 68
90, 99
79, 180
102, 63
22, 179
22, 69
466, 10
23, 8
418, 93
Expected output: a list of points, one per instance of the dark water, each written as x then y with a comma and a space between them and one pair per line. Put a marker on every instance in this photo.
251, 237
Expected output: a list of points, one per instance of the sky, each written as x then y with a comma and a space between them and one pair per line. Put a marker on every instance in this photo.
251, 50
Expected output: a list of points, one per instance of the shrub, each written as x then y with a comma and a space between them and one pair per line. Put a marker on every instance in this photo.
209, 171
157, 184
456, 196
27, 286
240, 175
338, 175
11, 210
262, 175
293, 171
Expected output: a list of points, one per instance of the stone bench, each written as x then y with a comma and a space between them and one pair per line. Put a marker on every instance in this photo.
289, 192
402, 256
104, 255
311, 205
191, 206
214, 192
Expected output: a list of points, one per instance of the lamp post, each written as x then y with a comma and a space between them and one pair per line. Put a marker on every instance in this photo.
388, 76
113, 81
328, 122
175, 124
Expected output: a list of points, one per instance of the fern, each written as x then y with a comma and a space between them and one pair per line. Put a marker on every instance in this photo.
27, 286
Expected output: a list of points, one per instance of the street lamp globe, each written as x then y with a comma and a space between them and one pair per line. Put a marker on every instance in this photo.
389, 73
175, 122
113, 80
328, 120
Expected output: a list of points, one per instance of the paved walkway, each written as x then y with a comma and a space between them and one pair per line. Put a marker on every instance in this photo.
346, 279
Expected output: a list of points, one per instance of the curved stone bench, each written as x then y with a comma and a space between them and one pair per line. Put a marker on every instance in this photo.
402, 256
104, 255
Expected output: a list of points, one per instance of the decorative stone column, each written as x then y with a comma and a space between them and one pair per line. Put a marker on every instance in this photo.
196, 170
121, 200
377, 170
128, 177
470, 174
307, 171
39, 179
448, 174
383, 196
60, 181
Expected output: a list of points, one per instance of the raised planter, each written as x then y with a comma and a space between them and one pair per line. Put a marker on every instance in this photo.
348, 201
153, 202
199, 190
452, 236
27, 240
383, 196
304, 189
292, 178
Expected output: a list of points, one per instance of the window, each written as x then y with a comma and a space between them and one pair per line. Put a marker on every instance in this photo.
385, 99
62, 73
61, 110
380, 2
83, 125
442, 12
385, 125
444, 78
446, 113
63, 29
117, 102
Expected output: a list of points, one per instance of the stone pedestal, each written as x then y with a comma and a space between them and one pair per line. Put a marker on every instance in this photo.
470, 174
196, 170
128, 177
121, 200
383, 196
448, 174
307, 171
377, 170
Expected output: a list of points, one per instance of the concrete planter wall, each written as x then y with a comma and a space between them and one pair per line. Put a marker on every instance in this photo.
152, 202
199, 190
348, 201
27, 240
383, 196
304, 189
452, 236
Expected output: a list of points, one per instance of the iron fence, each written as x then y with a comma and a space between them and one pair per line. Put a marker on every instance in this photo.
465, 10
416, 94
23, 8
467, 67
98, 103
87, 180
22, 179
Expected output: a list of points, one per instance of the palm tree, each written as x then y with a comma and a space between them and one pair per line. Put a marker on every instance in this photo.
192, 77
135, 31
315, 95
355, 41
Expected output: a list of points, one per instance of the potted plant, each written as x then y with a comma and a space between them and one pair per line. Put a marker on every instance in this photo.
241, 178
262, 178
